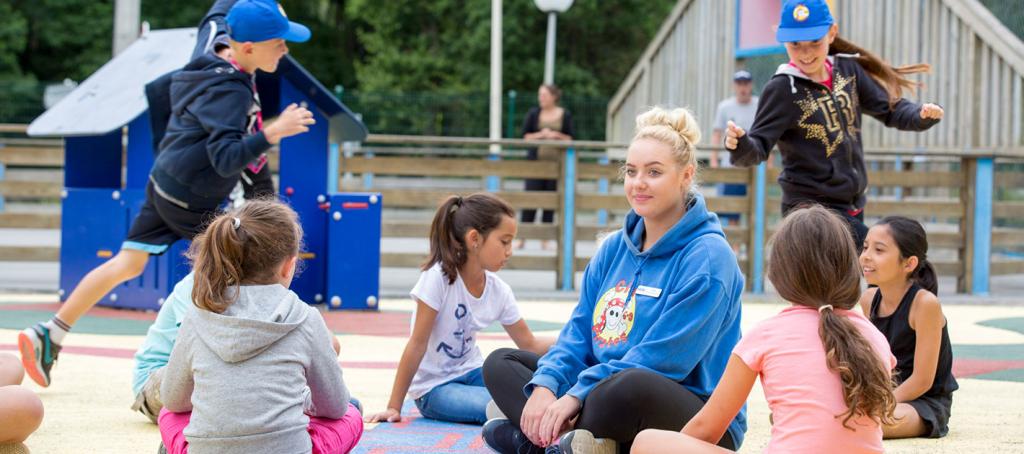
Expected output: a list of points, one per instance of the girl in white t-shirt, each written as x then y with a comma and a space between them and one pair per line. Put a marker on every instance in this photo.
457, 295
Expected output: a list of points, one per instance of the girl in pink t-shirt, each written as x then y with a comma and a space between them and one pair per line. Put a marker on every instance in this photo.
825, 370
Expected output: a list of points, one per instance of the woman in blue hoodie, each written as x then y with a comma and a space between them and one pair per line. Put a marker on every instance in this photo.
658, 316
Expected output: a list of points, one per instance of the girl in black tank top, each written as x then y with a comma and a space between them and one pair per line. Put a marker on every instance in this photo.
894, 259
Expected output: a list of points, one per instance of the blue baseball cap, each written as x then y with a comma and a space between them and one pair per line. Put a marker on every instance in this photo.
804, 20
263, 20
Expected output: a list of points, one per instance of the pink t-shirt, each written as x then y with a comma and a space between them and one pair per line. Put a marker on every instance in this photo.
803, 394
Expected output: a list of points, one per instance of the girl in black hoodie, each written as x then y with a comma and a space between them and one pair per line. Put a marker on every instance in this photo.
812, 109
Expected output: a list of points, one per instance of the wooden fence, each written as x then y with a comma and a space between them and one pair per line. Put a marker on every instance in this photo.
973, 233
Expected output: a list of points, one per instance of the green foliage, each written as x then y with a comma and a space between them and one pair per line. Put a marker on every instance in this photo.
445, 44
412, 66
65, 38
13, 33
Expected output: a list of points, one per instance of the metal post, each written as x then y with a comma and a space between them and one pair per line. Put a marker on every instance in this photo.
549, 52
983, 198
510, 123
759, 221
493, 182
602, 188
569, 221
333, 162
126, 24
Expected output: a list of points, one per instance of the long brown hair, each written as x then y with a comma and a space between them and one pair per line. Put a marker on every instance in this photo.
891, 78
243, 246
912, 241
813, 263
454, 218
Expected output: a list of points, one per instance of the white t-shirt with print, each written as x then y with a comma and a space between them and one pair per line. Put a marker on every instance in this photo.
451, 350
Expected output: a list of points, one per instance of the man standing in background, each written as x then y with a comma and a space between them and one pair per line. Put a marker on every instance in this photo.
739, 109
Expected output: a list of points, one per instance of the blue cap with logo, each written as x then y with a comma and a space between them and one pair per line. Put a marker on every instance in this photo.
263, 20
804, 20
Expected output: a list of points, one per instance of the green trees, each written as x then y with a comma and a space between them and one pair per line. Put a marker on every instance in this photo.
403, 58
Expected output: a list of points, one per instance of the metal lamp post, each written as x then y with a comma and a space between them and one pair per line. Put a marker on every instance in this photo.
552, 8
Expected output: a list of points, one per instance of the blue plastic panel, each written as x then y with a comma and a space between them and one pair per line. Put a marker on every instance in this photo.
94, 223
93, 161
140, 152
303, 183
353, 271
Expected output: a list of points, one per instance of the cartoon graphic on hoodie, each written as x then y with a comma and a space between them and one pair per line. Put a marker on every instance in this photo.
613, 319
681, 317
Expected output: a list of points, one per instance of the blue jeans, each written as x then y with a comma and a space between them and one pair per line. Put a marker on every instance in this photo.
462, 400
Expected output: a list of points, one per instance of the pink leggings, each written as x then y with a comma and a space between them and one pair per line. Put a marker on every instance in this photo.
330, 436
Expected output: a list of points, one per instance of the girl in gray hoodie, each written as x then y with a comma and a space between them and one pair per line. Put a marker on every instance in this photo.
253, 370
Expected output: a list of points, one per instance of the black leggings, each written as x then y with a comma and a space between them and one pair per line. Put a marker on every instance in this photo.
619, 407
529, 214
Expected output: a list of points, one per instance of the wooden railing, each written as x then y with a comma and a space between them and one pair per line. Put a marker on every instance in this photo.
414, 174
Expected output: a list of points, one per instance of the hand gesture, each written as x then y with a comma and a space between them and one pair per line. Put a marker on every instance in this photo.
293, 120
732, 135
931, 111
557, 419
533, 413
389, 415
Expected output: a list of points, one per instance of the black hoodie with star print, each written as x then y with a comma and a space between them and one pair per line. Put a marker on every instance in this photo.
818, 132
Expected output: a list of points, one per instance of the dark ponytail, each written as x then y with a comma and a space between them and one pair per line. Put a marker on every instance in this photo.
891, 78
244, 246
454, 218
912, 241
813, 263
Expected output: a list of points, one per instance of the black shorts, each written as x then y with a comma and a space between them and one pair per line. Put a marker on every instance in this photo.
160, 223
934, 411
854, 219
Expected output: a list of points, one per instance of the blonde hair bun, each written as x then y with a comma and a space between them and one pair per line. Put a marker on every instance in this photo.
679, 120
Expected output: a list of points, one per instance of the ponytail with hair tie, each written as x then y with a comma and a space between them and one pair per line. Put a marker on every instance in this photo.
456, 216
225, 256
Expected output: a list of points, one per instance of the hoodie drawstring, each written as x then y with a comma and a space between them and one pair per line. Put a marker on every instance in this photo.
636, 278
792, 84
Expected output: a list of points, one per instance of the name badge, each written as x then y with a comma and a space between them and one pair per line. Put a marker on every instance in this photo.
648, 291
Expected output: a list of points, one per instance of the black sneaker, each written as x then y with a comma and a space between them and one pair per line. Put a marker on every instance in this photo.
581, 441
504, 438
38, 353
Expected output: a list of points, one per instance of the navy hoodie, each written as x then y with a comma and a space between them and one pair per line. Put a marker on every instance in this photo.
818, 131
207, 144
682, 320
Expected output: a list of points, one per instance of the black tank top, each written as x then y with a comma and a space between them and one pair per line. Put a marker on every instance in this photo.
903, 341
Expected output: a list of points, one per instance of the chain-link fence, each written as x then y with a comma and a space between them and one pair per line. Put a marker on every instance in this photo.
466, 115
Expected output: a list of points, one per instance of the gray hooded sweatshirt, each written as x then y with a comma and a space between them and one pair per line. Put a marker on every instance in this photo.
251, 375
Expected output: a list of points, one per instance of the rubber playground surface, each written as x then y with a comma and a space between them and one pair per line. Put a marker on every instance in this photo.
87, 406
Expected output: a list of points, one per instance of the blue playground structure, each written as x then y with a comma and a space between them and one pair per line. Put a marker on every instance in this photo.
108, 153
